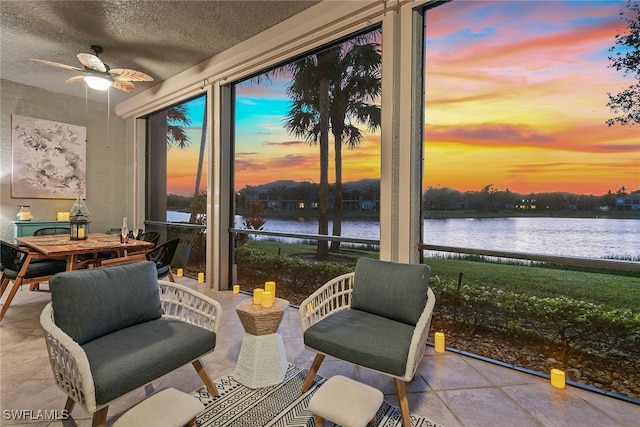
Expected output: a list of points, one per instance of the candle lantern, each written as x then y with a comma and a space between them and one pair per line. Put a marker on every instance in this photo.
79, 227
79, 220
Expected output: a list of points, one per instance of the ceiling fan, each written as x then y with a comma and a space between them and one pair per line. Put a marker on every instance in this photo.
98, 74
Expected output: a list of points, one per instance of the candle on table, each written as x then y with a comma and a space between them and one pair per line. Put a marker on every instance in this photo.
200, 277
557, 378
439, 342
80, 233
236, 289
257, 296
267, 299
270, 287
180, 272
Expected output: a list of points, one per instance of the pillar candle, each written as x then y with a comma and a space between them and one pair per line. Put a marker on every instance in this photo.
257, 296
557, 378
80, 233
439, 342
236, 289
200, 277
267, 299
270, 287
180, 272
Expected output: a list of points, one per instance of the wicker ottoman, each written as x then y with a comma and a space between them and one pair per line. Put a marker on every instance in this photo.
166, 408
262, 361
345, 402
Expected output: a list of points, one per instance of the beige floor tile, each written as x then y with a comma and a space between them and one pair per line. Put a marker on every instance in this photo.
449, 388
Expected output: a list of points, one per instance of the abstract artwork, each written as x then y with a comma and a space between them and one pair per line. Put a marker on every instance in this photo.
49, 159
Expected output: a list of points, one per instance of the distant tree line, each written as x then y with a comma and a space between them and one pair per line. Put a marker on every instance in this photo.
366, 197
490, 199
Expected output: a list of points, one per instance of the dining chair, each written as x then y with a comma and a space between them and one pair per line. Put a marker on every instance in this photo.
149, 236
16, 270
377, 317
47, 231
162, 256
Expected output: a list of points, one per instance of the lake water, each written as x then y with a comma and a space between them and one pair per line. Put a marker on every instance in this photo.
580, 237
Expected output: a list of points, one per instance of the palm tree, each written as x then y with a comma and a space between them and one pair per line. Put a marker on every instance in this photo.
356, 80
309, 118
177, 120
328, 91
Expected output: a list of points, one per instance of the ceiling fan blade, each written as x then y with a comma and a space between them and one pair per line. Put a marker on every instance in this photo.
92, 62
123, 86
126, 74
57, 64
75, 79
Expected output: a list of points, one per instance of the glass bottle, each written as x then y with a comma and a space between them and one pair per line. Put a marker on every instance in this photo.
124, 232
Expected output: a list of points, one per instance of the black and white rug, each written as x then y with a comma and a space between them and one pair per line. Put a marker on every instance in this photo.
281, 405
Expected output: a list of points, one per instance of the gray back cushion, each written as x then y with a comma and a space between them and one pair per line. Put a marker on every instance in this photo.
91, 303
392, 290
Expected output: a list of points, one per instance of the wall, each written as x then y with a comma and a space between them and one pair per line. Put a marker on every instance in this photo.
108, 158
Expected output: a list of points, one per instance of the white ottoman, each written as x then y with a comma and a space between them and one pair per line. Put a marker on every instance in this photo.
166, 408
345, 402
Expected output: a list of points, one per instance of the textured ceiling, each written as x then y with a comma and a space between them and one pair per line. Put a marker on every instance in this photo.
160, 38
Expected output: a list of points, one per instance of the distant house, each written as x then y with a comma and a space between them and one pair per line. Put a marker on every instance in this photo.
628, 203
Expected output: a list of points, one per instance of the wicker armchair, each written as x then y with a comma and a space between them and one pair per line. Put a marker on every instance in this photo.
89, 378
377, 317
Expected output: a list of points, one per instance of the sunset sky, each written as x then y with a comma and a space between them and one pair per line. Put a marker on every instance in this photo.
516, 95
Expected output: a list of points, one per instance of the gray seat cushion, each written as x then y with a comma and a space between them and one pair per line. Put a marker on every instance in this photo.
130, 358
392, 290
364, 339
95, 302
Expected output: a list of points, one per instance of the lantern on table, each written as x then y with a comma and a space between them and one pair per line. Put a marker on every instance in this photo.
79, 220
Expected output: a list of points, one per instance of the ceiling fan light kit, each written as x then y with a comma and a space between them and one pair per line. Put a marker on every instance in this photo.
100, 76
97, 83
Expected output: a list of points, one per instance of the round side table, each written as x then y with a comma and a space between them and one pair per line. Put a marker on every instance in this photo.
262, 360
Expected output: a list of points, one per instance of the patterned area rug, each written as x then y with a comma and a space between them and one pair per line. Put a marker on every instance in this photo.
281, 405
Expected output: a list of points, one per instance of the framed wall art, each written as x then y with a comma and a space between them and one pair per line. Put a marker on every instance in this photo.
49, 159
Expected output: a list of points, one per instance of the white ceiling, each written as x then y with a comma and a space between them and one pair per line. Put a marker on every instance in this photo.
160, 38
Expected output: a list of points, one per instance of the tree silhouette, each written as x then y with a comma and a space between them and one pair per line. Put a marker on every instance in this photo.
329, 91
625, 57
177, 120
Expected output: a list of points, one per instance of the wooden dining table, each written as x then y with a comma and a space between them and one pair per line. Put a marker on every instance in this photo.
60, 246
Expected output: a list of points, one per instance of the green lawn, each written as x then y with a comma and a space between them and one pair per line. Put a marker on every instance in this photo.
612, 290
608, 289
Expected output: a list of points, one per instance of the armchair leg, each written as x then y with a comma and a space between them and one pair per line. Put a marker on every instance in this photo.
12, 293
68, 406
312, 372
100, 417
205, 378
402, 401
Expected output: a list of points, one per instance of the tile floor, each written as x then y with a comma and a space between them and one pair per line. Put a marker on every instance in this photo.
450, 389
